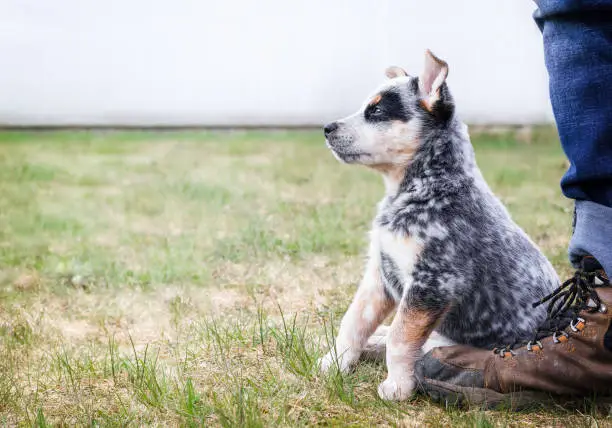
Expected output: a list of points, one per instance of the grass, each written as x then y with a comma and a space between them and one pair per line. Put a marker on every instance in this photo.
194, 278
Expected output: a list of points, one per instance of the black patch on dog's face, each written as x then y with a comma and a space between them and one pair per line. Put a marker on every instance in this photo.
389, 107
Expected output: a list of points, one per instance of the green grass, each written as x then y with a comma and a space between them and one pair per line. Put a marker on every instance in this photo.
194, 278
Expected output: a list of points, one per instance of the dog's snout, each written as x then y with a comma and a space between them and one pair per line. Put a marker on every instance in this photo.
329, 128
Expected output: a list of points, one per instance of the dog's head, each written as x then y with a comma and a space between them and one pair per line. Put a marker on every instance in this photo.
385, 133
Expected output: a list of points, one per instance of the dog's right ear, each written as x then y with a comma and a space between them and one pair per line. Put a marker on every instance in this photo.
395, 71
434, 93
433, 76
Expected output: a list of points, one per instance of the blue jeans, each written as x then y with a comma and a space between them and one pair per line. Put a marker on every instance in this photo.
578, 51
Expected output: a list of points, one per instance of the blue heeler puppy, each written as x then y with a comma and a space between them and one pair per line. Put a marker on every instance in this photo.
444, 251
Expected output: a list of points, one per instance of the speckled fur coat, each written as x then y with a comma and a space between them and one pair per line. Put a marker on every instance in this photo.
444, 251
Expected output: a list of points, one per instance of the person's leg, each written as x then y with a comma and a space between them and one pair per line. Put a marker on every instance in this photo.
578, 52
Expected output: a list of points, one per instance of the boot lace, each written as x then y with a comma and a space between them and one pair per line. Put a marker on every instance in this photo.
565, 303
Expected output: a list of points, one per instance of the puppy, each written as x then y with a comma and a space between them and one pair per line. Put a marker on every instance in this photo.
444, 251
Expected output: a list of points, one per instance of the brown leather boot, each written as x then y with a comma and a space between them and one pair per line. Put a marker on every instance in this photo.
571, 354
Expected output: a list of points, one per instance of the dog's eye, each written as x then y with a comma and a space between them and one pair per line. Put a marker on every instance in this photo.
374, 112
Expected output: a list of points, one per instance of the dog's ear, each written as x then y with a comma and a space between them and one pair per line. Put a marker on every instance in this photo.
394, 71
431, 80
435, 97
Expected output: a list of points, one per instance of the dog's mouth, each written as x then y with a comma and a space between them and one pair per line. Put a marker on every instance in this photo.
353, 157
346, 156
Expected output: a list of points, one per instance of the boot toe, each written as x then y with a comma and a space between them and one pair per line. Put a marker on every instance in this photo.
438, 367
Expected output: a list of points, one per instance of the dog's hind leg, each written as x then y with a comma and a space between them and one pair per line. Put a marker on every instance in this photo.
382, 330
376, 347
436, 340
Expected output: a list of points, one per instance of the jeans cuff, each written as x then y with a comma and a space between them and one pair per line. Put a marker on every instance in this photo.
592, 234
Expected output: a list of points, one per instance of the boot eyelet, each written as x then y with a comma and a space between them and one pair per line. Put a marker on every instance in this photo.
564, 337
603, 308
503, 352
533, 347
577, 325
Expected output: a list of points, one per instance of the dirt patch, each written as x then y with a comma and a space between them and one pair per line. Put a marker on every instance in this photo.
309, 285
27, 282
161, 314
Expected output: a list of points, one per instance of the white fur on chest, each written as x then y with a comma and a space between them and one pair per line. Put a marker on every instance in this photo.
403, 250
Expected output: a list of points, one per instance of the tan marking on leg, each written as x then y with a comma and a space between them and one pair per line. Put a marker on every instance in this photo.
409, 331
412, 325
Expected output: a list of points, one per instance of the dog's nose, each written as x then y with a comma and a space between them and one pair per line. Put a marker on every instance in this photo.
329, 128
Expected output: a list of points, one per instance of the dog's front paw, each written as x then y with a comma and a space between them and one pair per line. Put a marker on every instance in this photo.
334, 360
396, 390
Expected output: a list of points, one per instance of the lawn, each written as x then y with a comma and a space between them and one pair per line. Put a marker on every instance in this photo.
194, 278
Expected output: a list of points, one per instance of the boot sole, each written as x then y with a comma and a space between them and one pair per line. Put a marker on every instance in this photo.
449, 394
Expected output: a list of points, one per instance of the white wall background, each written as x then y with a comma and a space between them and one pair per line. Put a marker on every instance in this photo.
265, 62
